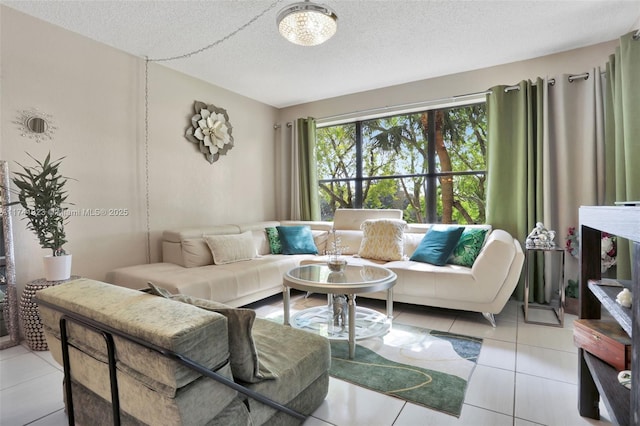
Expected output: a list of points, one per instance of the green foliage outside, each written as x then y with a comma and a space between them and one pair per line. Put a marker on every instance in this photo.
398, 147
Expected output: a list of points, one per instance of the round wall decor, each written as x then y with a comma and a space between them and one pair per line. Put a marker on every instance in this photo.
36, 125
210, 130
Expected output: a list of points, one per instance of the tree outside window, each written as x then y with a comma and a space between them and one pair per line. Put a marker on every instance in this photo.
431, 165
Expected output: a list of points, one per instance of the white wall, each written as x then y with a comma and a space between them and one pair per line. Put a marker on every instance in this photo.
96, 96
573, 62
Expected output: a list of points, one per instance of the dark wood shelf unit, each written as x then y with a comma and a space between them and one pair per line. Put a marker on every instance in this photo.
615, 397
596, 378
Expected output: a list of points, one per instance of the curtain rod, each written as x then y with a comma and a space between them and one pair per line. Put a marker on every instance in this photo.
552, 81
440, 101
277, 126
411, 105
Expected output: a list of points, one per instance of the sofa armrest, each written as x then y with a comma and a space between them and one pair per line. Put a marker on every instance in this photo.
494, 261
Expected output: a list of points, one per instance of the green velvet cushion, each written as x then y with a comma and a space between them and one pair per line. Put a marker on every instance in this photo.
297, 240
437, 245
243, 356
299, 359
274, 240
468, 247
183, 329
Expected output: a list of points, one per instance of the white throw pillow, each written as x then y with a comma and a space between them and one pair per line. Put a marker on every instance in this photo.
382, 239
231, 248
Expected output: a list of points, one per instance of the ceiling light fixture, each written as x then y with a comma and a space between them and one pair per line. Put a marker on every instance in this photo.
307, 24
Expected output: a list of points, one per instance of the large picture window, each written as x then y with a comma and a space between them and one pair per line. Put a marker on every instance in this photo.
430, 164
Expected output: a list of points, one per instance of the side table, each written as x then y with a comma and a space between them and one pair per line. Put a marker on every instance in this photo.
29, 315
559, 311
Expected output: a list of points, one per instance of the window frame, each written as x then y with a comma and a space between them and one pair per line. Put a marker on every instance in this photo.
431, 177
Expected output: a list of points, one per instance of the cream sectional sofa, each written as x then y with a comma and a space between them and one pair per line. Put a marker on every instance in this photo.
188, 267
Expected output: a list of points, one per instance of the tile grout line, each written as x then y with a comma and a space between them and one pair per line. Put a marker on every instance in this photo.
44, 417
515, 376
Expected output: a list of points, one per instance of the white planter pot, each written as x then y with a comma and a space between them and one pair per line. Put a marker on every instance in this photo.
57, 268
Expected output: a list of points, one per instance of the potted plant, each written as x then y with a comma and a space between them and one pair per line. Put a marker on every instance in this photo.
42, 195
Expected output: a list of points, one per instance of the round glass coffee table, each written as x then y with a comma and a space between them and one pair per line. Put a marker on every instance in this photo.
329, 320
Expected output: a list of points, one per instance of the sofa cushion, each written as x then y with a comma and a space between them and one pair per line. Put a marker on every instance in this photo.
231, 248
196, 252
260, 240
349, 241
242, 349
297, 240
437, 245
351, 219
412, 241
274, 240
297, 357
468, 247
245, 365
382, 239
320, 238
182, 329
319, 229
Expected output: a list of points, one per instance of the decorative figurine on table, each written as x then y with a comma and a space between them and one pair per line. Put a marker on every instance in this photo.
335, 262
339, 310
540, 237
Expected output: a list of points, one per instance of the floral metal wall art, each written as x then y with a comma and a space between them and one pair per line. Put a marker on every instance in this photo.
210, 130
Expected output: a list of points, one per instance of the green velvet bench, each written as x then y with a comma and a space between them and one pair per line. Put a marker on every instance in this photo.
140, 358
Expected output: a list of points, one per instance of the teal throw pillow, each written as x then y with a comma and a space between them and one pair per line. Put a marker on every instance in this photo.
274, 240
297, 240
437, 245
468, 247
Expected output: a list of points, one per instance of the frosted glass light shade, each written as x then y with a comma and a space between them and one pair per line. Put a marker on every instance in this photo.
307, 24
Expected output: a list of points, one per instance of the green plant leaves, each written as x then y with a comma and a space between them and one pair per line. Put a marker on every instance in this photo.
42, 195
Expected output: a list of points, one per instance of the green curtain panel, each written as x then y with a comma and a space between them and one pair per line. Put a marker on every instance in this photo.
519, 195
305, 141
622, 136
514, 168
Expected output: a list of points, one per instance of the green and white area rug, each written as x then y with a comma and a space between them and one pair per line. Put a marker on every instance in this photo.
425, 367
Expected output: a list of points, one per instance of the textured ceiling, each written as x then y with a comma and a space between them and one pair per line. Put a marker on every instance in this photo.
378, 43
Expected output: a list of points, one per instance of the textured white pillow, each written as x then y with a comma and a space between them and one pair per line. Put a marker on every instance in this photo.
231, 248
382, 239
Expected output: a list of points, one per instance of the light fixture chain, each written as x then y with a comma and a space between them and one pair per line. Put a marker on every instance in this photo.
217, 42
146, 155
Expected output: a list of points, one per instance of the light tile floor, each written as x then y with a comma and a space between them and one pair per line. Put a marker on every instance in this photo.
526, 375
